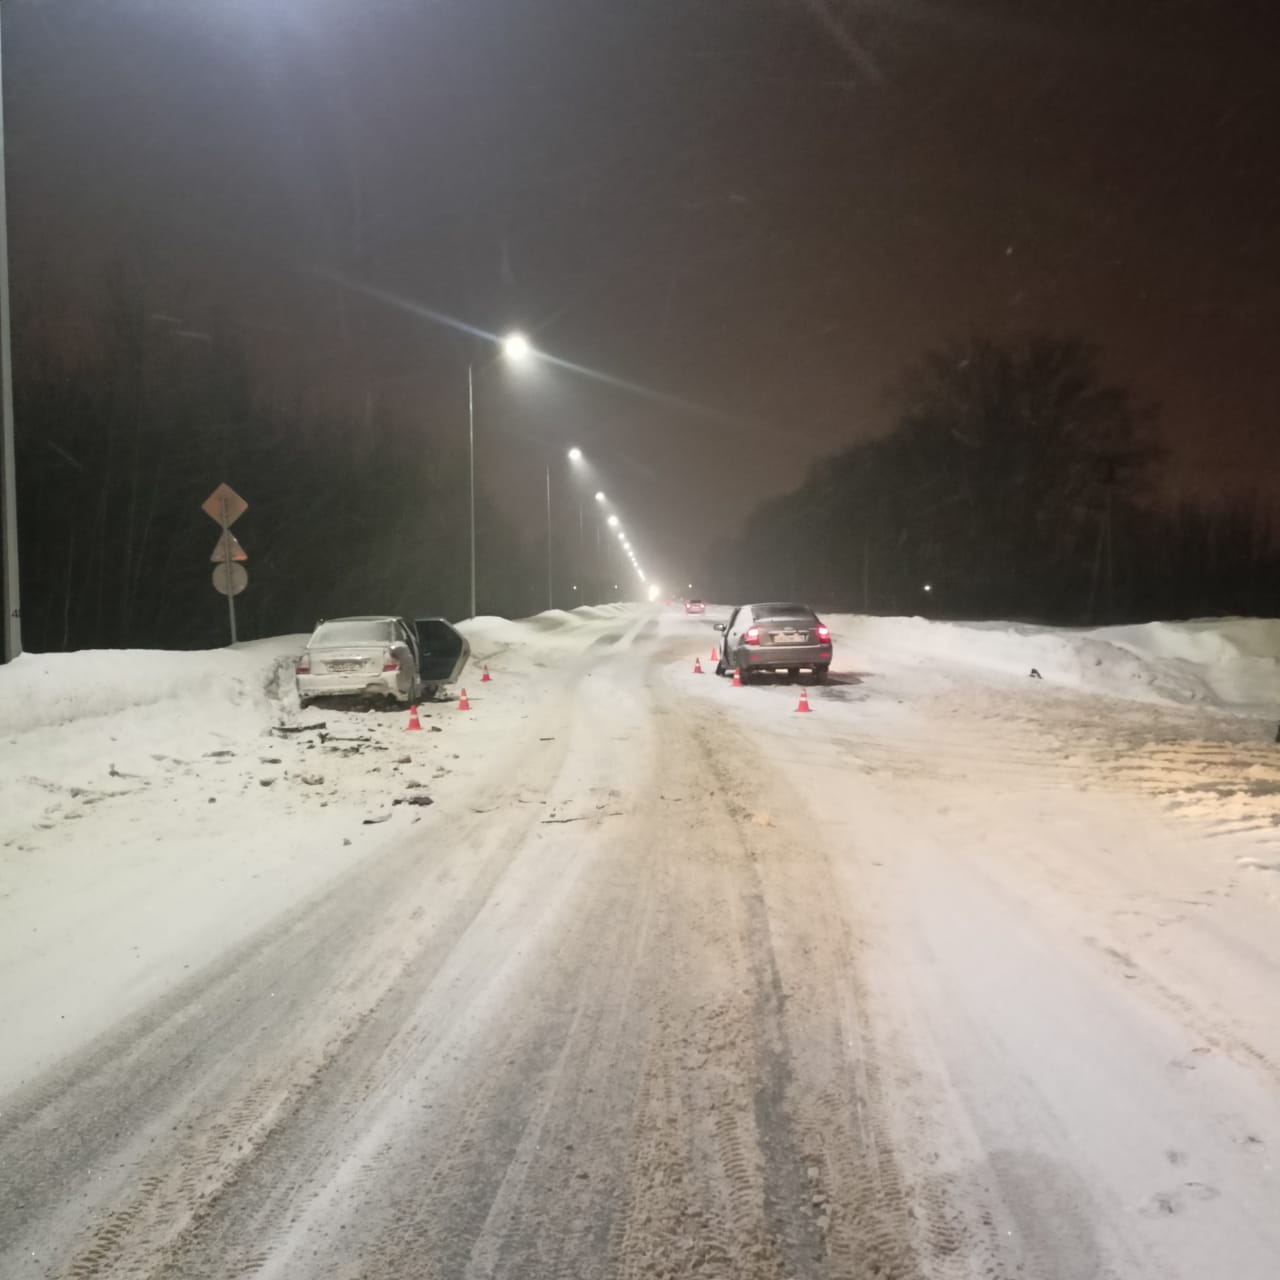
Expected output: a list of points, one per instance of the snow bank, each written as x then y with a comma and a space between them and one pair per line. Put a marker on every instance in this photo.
1230, 662
43, 690
488, 634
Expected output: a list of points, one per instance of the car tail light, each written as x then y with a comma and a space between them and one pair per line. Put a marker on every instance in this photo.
824, 633
302, 669
391, 666
752, 636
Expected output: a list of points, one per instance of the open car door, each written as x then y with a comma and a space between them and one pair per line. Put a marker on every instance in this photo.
444, 651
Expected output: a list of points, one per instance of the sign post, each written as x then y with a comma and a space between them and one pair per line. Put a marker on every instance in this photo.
226, 506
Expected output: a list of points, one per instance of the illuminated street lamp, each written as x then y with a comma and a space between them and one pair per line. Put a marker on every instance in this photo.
600, 496
575, 458
515, 347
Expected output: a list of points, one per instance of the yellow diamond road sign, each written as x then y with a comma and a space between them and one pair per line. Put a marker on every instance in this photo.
224, 505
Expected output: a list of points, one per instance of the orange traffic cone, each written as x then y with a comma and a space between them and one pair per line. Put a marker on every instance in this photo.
737, 678
484, 679
804, 700
414, 722
715, 655
463, 704
697, 666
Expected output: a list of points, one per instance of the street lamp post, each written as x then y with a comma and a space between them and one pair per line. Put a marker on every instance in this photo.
515, 347
471, 450
8, 461
550, 592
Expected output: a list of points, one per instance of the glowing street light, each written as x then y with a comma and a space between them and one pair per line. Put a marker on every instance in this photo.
600, 497
613, 522
515, 346
575, 454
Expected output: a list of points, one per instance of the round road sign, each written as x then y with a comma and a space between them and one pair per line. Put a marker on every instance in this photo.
235, 583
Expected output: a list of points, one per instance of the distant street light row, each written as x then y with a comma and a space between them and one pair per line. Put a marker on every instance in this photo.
515, 347
614, 522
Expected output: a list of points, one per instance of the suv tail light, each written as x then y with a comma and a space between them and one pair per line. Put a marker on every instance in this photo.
391, 666
302, 669
752, 636
824, 633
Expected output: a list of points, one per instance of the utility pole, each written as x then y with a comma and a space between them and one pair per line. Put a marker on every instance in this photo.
550, 592
8, 460
471, 453
601, 588
866, 575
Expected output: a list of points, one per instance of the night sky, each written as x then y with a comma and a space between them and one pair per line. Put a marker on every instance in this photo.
755, 215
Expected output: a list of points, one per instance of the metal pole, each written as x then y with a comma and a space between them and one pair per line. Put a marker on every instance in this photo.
471, 449
8, 462
226, 560
599, 574
550, 593
582, 553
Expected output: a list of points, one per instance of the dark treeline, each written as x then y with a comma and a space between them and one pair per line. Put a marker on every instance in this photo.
1017, 484
116, 452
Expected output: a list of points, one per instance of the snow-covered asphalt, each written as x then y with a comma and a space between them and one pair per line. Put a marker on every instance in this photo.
964, 974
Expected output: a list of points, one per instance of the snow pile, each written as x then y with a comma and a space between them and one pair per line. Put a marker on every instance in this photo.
489, 635
42, 690
1238, 659
1229, 662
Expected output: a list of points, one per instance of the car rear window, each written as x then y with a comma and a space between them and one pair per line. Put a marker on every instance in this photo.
782, 613
353, 631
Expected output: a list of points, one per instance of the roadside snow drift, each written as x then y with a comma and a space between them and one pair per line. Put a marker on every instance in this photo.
1229, 662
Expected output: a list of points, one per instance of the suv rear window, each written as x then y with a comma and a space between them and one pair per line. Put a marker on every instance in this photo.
353, 631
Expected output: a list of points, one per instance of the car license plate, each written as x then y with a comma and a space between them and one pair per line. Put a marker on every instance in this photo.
347, 665
789, 637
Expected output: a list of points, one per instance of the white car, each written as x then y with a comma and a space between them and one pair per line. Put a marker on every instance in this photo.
380, 656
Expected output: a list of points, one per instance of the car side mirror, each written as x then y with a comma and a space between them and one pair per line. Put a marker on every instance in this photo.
719, 626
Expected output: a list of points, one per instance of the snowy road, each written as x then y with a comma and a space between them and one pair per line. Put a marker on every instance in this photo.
960, 976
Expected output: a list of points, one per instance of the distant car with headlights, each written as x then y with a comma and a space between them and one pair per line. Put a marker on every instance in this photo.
775, 636
380, 656
695, 606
